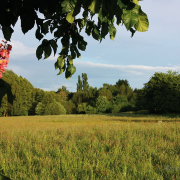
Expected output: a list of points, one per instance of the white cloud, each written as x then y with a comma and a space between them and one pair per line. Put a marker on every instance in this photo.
19, 49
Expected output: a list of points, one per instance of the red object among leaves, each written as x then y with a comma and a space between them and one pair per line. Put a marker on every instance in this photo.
4, 56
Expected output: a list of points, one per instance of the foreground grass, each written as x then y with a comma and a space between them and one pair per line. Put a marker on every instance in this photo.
90, 147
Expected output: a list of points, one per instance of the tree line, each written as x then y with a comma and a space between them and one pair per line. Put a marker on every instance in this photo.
18, 97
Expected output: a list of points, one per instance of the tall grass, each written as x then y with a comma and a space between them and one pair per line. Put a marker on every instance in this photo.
89, 147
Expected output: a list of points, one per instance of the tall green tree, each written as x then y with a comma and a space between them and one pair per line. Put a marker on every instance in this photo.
162, 93
60, 18
121, 82
79, 84
101, 104
22, 93
85, 84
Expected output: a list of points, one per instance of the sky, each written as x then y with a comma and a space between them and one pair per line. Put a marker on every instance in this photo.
134, 59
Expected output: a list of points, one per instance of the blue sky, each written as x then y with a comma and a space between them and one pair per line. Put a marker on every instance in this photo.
135, 59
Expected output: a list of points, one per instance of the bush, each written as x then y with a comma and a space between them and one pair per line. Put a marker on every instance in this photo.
81, 108
39, 110
116, 108
101, 104
69, 106
54, 108
24, 113
90, 110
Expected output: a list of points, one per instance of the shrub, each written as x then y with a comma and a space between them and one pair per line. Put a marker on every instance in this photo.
54, 108
101, 104
81, 108
69, 106
24, 113
90, 110
39, 110
116, 108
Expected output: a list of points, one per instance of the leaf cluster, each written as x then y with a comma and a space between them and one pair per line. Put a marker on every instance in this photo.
60, 20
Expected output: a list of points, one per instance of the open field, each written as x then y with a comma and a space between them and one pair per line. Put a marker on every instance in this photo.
113, 146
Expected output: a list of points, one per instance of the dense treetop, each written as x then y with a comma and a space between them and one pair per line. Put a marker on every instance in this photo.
60, 19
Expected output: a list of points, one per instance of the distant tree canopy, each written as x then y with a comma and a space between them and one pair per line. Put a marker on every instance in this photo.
18, 97
162, 93
21, 92
60, 19
83, 85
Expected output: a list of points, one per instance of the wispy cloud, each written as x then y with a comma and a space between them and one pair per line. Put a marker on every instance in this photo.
128, 67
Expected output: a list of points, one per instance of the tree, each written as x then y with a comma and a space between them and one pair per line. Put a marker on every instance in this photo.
105, 92
122, 90
101, 104
60, 19
162, 93
81, 108
19, 92
48, 97
85, 84
54, 108
90, 110
40, 108
79, 84
62, 93
121, 82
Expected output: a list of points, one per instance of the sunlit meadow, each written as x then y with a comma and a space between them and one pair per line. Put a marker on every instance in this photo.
113, 146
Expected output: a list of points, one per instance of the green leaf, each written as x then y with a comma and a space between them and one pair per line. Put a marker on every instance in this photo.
39, 52
70, 17
85, 13
104, 30
45, 28
118, 15
7, 32
70, 70
89, 27
54, 46
92, 6
2, 177
112, 32
136, 2
73, 54
77, 52
56, 65
121, 4
47, 51
64, 50
65, 41
45, 42
95, 33
81, 23
82, 45
77, 8
130, 17
143, 24
60, 64
39, 36
71, 60
67, 5
28, 20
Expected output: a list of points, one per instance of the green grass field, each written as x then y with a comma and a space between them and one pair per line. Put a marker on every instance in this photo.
113, 146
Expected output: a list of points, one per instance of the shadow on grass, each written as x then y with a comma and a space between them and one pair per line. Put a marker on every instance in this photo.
145, 113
